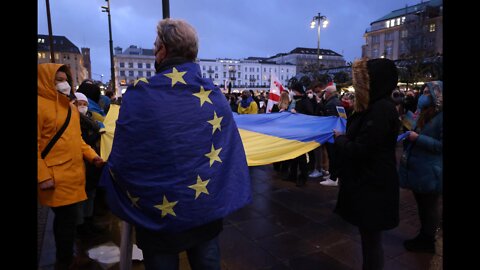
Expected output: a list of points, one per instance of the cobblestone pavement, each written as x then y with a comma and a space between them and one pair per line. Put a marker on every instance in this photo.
285, 227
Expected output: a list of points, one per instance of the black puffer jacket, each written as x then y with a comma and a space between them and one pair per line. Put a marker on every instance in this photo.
369, 188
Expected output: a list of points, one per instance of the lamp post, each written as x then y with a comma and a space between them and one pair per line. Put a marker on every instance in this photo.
318, 19
112, 67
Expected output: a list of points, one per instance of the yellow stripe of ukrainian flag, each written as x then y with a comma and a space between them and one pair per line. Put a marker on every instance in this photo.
262, 149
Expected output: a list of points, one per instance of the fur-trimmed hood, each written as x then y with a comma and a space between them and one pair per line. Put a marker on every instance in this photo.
373, 80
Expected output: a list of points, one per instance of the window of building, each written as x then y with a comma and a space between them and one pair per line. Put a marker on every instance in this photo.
239, 75
398, 21
140, 65
130, 73
203, 67
404, 33
130, 65
216, 68
246, 76
264, 69
122, 73
224, 74
376, 39
122, 64
245, 69
258, 77
389, 50
258, 69
432, 27
204, 75
149, 73
140, 73
392, 23
148, 65
387, 24
389, 36
403, 48
403, 19
375, 53
216, 75
57, 56
282, 77
41, 40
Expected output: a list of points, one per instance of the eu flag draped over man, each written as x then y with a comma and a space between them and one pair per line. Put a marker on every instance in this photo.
172, 168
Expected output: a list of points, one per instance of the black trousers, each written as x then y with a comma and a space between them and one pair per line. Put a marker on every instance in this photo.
299, 162
64, 226
429, 213
333, 161
372, 249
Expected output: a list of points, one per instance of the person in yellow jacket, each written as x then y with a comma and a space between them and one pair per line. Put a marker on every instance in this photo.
248, 104
61, 172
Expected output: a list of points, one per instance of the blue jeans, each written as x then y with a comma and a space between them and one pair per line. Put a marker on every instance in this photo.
204, 256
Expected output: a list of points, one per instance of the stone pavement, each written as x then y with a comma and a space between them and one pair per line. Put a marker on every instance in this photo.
285, 227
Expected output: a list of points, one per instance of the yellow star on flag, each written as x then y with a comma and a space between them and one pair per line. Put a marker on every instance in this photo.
200, 186
133, 199
215, 122
213, 155
143, 79
176, 76
203, 96
166, 207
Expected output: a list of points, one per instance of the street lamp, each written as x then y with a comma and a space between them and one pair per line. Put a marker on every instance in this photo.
318, 20
112, 67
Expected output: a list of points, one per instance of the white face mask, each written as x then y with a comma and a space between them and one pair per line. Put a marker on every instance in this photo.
83, 109
310, 96
63, 88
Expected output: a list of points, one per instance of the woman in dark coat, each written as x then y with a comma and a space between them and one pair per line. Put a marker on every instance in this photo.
369, 191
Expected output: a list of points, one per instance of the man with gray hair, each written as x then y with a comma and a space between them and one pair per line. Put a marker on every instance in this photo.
177, 165
330, 104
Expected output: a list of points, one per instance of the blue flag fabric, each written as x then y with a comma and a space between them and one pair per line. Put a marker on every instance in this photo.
177, 159
274, 137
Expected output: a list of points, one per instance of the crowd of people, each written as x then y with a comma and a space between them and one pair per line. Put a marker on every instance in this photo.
361, 162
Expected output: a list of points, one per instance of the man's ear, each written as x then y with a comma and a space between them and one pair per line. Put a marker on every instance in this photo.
161, 53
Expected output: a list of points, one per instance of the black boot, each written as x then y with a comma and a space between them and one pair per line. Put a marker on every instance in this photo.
421, 243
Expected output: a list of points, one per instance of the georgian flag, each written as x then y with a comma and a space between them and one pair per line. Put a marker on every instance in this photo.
274, 95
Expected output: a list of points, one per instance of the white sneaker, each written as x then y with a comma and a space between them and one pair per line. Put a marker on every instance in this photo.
315, 173
329, 182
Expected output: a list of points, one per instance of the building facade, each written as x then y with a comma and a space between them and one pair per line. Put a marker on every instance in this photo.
251, 72
306, 59
65, 52
254, 72
132, 63
413, 31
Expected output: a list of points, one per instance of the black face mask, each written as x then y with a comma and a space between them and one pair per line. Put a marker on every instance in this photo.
157, 67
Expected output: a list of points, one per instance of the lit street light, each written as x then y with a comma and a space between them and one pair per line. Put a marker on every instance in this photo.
112, 67
318, 20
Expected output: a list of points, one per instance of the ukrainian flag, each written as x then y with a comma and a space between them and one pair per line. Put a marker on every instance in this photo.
274, 137
177, 159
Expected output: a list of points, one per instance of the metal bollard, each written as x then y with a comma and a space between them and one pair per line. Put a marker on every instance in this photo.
126, 246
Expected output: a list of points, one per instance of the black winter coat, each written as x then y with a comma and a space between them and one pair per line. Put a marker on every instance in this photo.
369, 188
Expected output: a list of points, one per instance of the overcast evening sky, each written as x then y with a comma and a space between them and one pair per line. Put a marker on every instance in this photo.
226, 28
